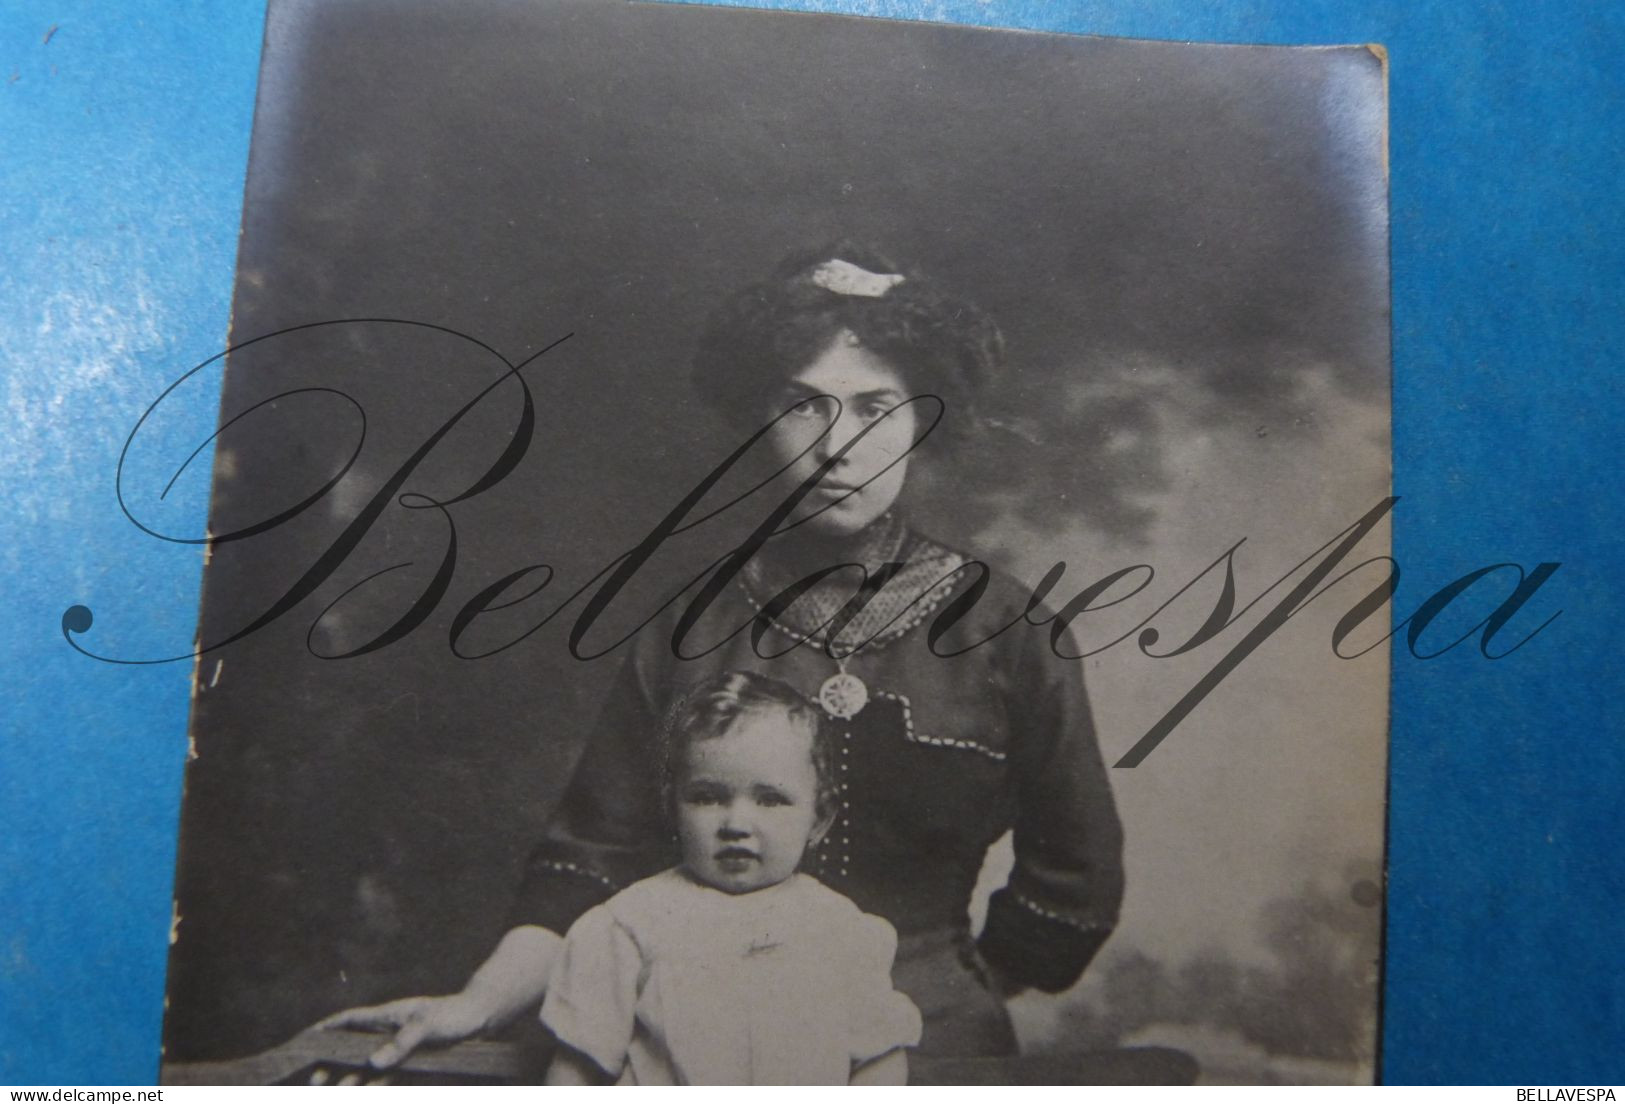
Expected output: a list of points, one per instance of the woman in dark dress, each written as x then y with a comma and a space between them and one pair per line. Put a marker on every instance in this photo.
958, 722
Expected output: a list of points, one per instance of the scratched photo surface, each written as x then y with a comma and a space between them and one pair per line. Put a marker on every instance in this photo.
1185, 248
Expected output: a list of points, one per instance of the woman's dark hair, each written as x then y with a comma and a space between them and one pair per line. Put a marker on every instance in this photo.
766, 333
713, 707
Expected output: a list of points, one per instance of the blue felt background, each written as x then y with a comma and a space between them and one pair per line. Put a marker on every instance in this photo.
123, 139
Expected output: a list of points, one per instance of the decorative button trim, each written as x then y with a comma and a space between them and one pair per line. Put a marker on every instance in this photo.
914, 737
846, 803
564, 867
1050, 914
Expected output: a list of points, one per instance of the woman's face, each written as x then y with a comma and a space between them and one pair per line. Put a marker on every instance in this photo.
866, 480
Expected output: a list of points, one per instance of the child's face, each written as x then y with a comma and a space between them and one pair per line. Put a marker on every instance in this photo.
747, 803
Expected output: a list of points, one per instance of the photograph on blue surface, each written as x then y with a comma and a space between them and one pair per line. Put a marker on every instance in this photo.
714, 508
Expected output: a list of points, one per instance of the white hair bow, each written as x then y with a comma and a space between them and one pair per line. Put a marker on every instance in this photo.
846, 278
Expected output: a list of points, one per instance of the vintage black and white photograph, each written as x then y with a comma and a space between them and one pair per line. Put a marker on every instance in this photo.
753, 547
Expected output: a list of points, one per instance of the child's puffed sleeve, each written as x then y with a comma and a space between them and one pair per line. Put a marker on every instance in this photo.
592, 995
880, 1018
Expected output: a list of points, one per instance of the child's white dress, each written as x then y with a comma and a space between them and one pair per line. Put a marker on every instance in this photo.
671, 982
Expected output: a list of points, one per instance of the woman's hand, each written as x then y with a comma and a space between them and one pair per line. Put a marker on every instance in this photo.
513, 979
414, 1021
1002, 983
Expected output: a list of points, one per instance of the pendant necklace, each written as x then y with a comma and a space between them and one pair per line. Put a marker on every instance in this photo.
920, 577
843, 695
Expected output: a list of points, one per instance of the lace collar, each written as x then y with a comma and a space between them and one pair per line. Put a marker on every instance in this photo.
909, 576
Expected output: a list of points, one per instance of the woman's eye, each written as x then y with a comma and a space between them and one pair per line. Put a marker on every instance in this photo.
772, 798
810, 410
703, 797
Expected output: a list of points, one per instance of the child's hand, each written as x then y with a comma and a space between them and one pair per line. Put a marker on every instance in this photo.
415, 1021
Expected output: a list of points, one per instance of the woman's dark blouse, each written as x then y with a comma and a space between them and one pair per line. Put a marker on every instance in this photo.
950, 753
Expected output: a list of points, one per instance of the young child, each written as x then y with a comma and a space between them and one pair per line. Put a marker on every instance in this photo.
733, 968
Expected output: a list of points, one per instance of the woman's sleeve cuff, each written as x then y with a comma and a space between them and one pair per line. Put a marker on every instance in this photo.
1038, 947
